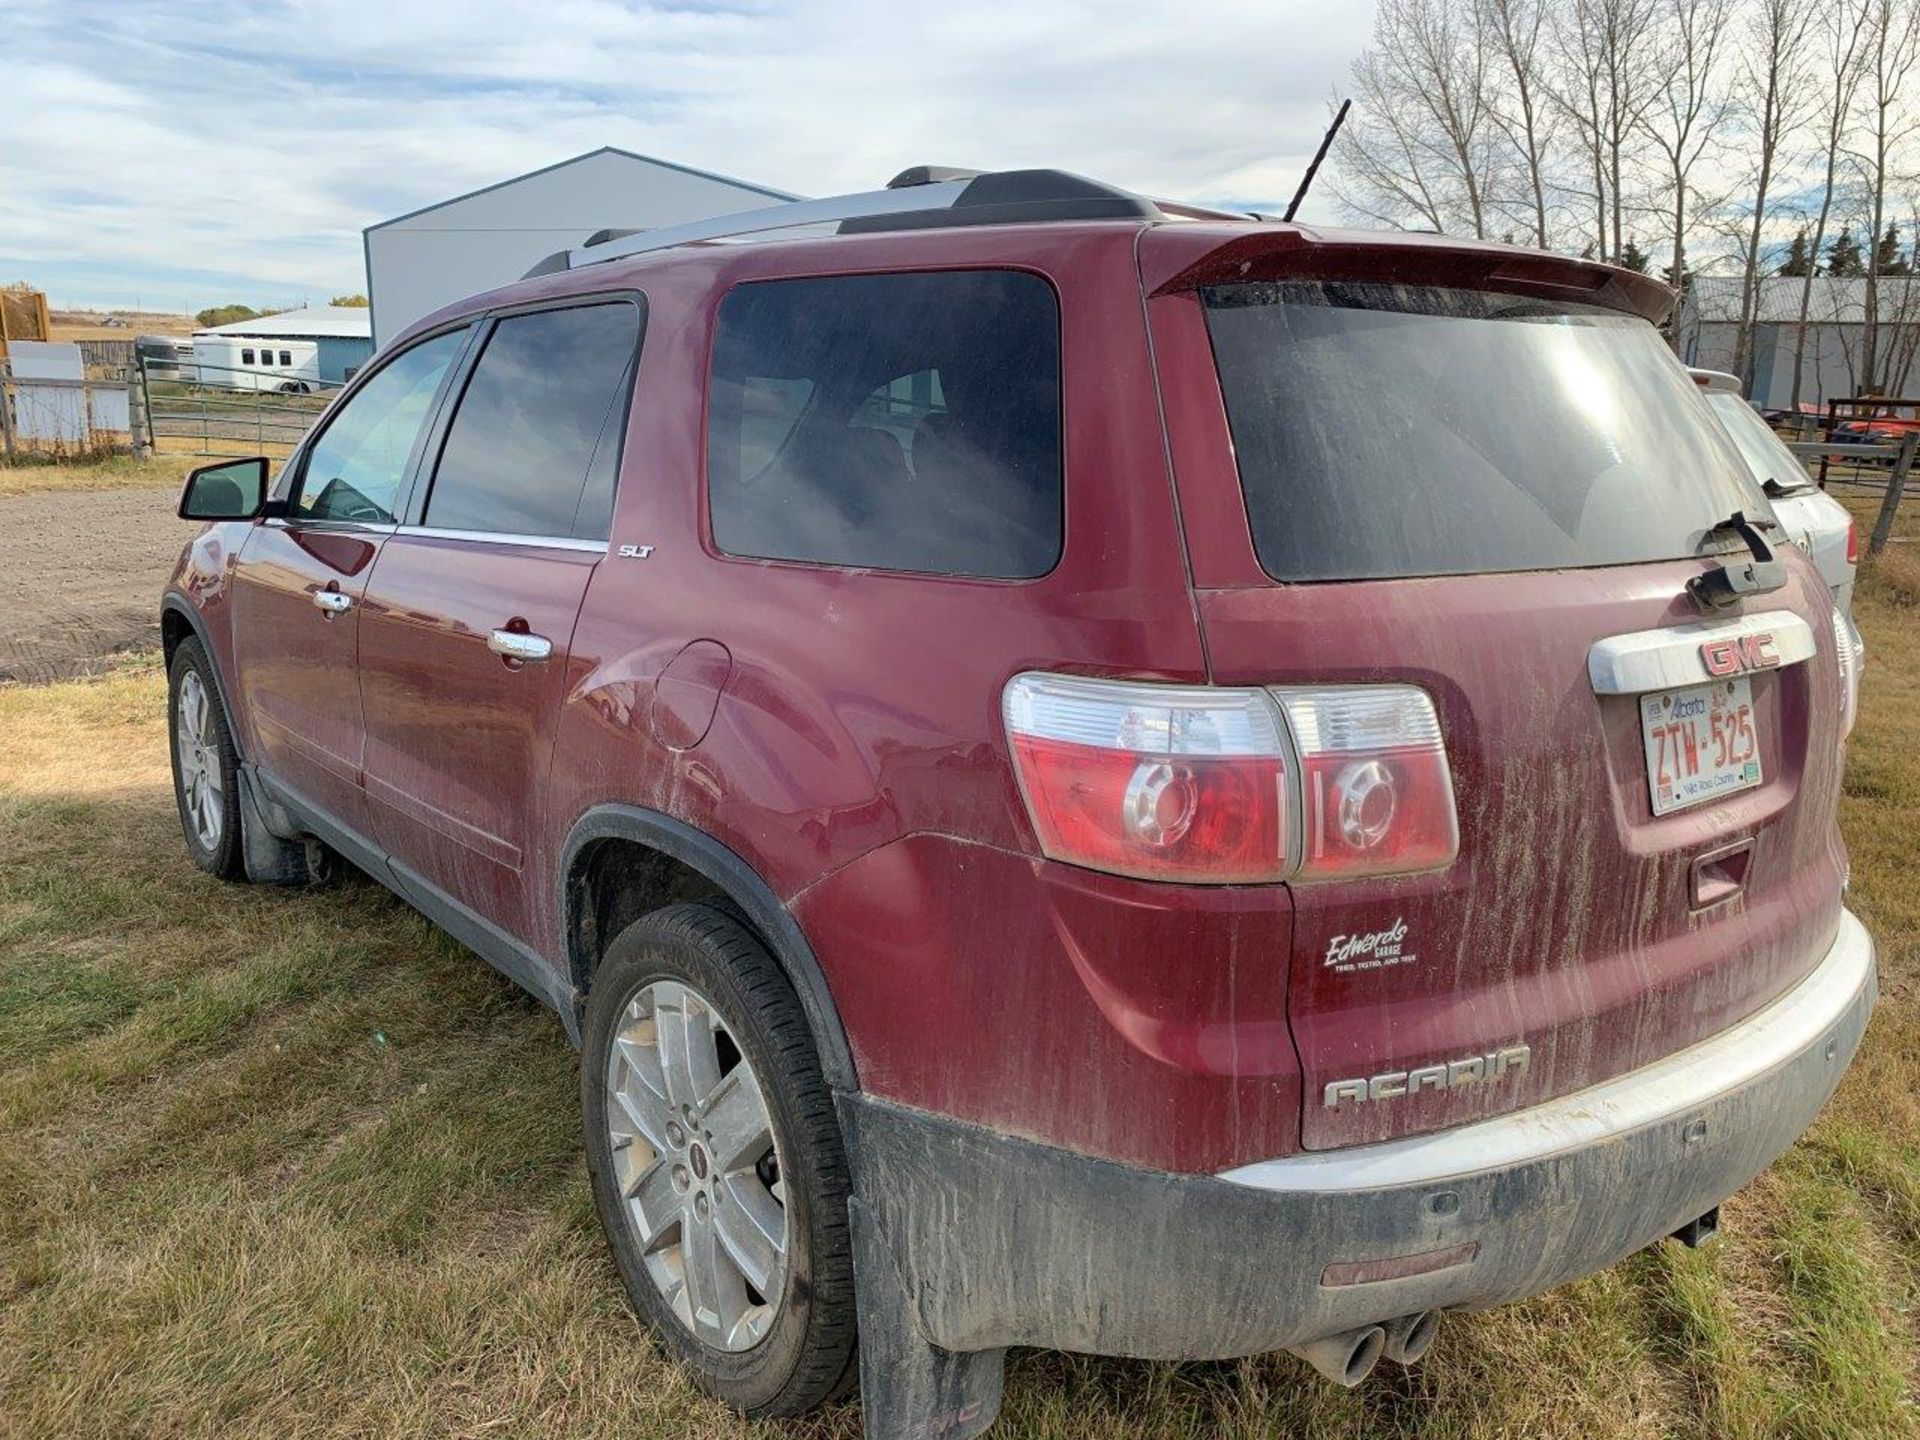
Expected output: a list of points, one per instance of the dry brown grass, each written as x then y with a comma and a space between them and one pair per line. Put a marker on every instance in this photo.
291, 1163
113, 473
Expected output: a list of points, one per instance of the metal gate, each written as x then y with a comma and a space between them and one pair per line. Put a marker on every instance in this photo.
196, 408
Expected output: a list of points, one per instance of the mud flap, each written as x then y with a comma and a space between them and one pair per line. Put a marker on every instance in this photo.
910, 1388
268, 857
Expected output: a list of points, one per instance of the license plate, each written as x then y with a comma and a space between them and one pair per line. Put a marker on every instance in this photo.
1702, 742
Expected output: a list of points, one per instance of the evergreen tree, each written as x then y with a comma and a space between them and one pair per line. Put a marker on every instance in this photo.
1888, 257
1633, 257
1799, 261
1843, 255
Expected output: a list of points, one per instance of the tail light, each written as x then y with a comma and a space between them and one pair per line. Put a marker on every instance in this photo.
1232, 786
1158, 781
1853, 543
1376, 790
1852, 653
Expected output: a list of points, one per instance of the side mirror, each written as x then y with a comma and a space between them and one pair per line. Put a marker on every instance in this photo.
235, 490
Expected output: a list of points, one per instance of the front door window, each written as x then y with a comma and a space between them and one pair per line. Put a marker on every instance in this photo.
355, 469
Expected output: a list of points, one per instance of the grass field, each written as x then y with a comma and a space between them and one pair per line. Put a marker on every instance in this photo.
278, 1163
164, 472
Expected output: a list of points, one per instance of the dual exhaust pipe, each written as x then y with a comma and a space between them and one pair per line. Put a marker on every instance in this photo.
1349, 1357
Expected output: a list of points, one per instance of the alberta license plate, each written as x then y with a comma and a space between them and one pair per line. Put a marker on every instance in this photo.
1701, 742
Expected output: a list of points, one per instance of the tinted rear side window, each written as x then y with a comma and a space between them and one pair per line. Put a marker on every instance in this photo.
541, 415
1387, 430
891, 422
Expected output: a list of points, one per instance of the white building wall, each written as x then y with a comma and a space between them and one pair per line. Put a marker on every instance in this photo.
420, 262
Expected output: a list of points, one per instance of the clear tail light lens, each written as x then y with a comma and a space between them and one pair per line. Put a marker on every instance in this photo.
1157, 781
1376, 790
1223, 786
1852, 652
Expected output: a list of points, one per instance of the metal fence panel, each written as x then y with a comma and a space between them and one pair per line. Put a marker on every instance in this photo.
200, 408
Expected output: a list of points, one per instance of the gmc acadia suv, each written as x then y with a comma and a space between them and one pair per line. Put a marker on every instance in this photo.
1083, 772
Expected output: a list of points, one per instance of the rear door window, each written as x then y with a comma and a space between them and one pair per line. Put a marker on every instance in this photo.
355, 468
1389, 430
534, 445
892, 422
1766, 454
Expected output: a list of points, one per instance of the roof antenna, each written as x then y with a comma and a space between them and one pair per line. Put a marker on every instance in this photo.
1326, 143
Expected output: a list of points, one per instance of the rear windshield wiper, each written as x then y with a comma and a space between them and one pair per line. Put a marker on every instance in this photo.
1719, 587
1777, 488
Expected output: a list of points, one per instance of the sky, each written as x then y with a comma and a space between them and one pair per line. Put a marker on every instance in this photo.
180, 155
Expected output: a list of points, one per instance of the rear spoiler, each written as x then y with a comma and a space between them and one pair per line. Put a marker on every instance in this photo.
1186, 257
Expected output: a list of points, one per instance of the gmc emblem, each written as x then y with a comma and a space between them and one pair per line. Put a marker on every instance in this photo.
1743, 652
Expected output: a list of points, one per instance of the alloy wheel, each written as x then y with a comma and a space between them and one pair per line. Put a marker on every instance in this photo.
202, 789
697, 1165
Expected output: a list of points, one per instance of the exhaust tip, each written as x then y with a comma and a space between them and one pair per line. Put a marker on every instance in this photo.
1346, 1358
1409, 1338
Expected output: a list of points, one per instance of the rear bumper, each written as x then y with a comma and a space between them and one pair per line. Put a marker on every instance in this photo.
1001, 1241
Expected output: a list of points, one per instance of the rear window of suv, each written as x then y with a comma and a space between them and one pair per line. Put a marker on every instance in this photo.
1389, 430
891, 422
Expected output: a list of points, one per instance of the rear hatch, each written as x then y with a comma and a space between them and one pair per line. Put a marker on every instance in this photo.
1494, 484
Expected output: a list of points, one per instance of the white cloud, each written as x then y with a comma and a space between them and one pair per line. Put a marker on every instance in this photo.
227, 150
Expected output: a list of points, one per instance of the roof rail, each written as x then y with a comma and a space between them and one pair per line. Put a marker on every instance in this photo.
924, 197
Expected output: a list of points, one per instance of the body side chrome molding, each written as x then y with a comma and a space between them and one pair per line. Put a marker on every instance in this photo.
1665, 1090
1669, 657
489, 537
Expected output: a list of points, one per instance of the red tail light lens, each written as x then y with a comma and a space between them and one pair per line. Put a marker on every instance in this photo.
1853, 543
1208, 786
1376, 790
1157, 781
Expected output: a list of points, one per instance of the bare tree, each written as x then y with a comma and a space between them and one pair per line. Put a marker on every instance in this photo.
1605, 54
1686, 103
1520, 108
1844, 36
1893, 35
1424, 147
1773, 89
1381, 156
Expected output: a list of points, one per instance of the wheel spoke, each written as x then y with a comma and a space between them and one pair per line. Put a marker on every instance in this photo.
736, 1117
643, 1111
753, 1230
689, 1056
655, 1202
717, 1295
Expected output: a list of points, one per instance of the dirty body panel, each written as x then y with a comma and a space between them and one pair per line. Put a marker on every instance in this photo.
1578, 934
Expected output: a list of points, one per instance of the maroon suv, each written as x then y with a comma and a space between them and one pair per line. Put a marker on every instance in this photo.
1084, 773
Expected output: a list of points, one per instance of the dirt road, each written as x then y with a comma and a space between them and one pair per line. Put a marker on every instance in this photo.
80, 577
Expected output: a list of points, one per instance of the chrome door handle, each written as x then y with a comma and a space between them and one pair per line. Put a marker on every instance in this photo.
332, 601
518, 645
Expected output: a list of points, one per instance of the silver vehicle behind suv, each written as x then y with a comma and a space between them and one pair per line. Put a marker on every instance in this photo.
1811, 518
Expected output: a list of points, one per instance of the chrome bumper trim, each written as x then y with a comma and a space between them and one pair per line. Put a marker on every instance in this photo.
1685, 1081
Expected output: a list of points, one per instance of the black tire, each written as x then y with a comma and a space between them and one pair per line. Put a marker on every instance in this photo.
222, 855
807, 1356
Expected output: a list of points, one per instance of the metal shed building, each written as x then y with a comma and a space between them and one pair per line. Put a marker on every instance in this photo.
430, 257
1707, 323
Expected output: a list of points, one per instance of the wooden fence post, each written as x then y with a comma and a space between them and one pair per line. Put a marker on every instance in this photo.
1896, 485
143, 445
6, 406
